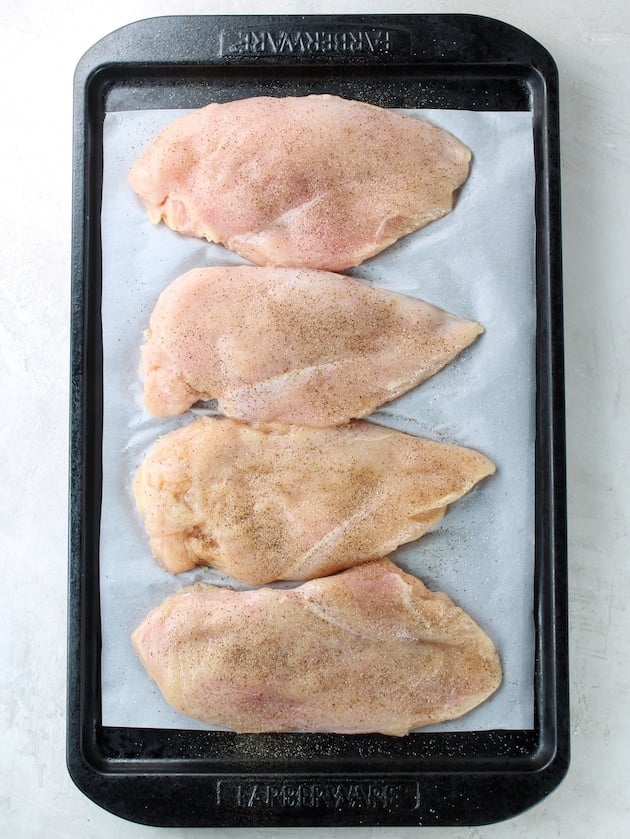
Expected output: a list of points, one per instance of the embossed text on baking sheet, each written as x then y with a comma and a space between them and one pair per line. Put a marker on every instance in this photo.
306, 42
363, 795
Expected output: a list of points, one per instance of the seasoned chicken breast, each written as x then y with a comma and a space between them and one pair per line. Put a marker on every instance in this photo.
367, 650
277, 502
296, 346
313, 181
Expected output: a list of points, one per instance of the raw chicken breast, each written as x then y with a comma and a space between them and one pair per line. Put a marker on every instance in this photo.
287, 345
314, 181
367, 650
276, 502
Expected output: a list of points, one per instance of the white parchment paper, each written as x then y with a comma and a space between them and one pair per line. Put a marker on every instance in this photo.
477, 262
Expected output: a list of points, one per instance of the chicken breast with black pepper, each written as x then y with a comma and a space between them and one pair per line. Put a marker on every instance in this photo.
367, 650
313, 181
277, 502
288, 345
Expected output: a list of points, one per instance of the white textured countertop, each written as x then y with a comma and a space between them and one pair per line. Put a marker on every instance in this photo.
40, 44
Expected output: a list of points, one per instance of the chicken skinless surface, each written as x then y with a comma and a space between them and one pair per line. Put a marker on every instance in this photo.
295, 346
314, 181
276, 502
367, 650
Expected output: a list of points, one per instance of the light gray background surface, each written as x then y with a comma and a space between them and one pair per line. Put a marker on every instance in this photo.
40, 44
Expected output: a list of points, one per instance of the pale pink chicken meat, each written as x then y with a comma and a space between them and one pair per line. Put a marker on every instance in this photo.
288, 345
275, 502
314, 181
367, 650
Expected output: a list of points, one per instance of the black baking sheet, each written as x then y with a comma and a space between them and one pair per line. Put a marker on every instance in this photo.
182, 777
